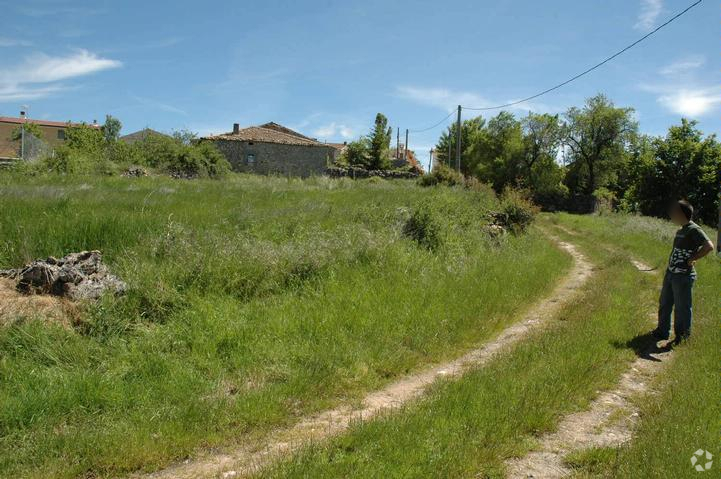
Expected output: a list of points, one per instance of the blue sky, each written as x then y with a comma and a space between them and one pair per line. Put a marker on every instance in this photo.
326, 67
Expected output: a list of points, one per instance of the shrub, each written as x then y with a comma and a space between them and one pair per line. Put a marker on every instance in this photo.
181, 158
517, 211
605, 200
422, 228
442, 175
357, 153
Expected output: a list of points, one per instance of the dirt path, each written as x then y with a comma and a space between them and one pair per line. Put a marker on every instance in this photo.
610, 419
248, 458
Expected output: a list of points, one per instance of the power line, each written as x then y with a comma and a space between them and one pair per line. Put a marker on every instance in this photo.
556, 87
435, 125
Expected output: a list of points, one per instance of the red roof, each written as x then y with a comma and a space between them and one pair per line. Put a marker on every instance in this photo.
9, 119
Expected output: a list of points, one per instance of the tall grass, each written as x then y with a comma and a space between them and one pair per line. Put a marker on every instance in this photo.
468, 427
251, 301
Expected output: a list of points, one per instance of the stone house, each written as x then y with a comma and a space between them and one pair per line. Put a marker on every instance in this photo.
53, 134
272, 149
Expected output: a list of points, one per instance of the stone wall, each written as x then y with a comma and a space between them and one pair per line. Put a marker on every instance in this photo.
354, 172
276, 159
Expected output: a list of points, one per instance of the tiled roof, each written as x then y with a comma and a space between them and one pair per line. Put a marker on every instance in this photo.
141, 135
9, 119
283, 129
338, 146
267, 134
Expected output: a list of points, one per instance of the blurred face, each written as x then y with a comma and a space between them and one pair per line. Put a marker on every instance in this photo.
677, 216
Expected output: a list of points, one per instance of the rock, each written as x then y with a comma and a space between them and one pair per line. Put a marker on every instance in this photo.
76, 276
135, 172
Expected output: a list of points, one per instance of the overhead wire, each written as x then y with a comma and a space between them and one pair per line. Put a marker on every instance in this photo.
564, 83
589, 70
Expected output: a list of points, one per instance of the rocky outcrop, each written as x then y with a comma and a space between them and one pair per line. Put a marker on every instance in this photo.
76, 276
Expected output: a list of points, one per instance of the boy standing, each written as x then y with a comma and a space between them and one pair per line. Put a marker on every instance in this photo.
690, 245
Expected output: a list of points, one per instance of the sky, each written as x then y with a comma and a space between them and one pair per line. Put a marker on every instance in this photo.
327, 67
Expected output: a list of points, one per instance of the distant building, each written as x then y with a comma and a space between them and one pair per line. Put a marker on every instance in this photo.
53, 134
274, 149
141, 135
399, 161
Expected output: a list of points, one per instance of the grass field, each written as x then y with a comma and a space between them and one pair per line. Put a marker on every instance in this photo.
469, 427
252, 301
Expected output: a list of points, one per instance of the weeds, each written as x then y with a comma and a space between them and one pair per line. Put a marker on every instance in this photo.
251, 301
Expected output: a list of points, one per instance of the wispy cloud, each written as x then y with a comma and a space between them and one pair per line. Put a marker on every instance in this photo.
332, 130
41, 75
684, 65
14, 42
446, 100
680, 91
58, 8
157, 105
650, 10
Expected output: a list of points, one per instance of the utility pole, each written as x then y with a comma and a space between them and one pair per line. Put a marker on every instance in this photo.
23, 116
405, 151
458, 140
450, 140
430, 162
398, 142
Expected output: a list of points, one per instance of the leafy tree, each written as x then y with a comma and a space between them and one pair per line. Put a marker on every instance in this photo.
111, 128
469, 129
380, 142
684, 164
496, 152
541, 140
357, 153
596, 136
30, 128
186, 137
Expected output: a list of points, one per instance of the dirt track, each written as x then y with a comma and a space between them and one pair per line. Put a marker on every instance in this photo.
609, 420
245, 459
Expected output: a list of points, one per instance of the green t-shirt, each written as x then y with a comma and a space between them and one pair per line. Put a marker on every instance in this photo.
687, 242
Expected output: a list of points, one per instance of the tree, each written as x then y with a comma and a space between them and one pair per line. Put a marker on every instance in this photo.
684, 164
596, 136
30, 128
380, 142
496, 152
541, 140
469, 129
111, 128
357, 153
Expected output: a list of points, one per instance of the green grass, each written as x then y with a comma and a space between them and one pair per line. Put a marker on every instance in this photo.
685, 415
467, 428
252, 301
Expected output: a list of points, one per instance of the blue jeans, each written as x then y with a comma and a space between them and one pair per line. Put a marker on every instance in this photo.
676, 296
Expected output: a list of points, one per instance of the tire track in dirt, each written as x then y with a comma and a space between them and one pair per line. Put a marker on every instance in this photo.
246, 459
610, 419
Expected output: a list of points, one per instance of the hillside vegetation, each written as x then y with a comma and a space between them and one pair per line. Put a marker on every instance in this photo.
251, 301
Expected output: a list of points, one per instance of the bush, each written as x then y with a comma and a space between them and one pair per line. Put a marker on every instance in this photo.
176, 157
517, 211
422, 228
442, 175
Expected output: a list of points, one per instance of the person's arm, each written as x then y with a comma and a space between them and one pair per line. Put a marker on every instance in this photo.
702, 251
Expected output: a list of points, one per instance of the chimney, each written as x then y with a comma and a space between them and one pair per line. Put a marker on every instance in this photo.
236, 128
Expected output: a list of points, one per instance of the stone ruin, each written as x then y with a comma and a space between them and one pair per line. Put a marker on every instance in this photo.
77, 276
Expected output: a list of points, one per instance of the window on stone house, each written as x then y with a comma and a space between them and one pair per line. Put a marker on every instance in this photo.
61, 134
250, 159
